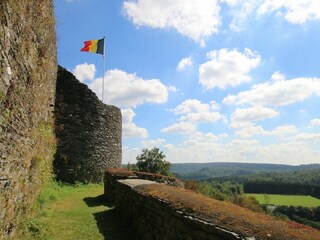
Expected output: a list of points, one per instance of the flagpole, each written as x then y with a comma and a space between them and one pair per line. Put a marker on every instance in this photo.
104, 63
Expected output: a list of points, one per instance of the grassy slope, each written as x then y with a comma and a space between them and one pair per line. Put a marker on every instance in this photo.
288, 200
77, 213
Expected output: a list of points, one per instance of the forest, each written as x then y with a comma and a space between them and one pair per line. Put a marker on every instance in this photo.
235, 184
205, 171
303, 182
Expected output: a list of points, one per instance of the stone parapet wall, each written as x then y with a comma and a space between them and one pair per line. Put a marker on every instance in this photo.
89, 132
28, 66
155, 219
159, 211
113, 174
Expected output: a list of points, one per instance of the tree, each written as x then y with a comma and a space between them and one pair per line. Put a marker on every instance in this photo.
266, 199
153, 161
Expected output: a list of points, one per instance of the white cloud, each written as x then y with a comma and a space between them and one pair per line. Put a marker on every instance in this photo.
245, 116
240, 11
158, 143
172, 89
191, 105
307, 137
205, 137
197, 20
195, 111
202, 117
277, 76
231, 3
315, 122
183, 128
84, 71
294, 11
129, 154
284, 130
184, 63
277, 93
130, 129
128, 90
227, 68
214, 105
200, 149
241, 150
281, 132
249, 131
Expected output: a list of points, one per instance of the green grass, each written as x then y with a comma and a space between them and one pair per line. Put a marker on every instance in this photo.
287, 200
75, 212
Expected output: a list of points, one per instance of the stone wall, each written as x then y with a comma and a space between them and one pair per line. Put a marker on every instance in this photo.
159, 211
28, 69
113, 174
88, 132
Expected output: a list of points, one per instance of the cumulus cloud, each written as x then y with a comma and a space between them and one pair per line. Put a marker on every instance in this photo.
129, 154
231, 3
283, 131
199, 149
277, 76
295, 12
197, 20
277, 93
240, 11
205, 137
227, 68
195, 111
243, 150
245, 116
250, 130
128, 90
172, 89
130, 129
280, 132
184, 128
184, 63
192, 112
84, 71
151, 143
307, 137
315, 122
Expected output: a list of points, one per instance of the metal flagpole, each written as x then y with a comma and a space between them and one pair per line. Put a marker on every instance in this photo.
104, 63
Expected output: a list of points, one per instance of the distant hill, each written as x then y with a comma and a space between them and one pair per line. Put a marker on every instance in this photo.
203, 171
302, 177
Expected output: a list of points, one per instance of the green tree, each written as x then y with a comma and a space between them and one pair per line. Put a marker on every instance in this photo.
266, 199
153, 161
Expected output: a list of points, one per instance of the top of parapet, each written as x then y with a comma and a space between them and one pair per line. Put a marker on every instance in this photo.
136, 182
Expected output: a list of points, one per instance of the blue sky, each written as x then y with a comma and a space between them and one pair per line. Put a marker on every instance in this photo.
205, 81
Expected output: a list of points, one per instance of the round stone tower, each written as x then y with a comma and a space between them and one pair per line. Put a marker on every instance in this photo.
88, 132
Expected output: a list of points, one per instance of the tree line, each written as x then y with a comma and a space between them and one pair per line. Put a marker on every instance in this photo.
303, 215
281, 188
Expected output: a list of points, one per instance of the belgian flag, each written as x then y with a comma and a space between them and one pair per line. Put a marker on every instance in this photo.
94, 46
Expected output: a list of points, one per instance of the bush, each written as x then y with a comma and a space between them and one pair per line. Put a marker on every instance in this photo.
153, 161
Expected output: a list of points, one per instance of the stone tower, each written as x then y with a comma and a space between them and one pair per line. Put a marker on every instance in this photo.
88, 132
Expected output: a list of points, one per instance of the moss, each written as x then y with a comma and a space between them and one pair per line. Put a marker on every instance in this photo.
227, 215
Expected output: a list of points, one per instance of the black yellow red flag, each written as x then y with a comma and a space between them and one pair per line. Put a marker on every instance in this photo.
94, 46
